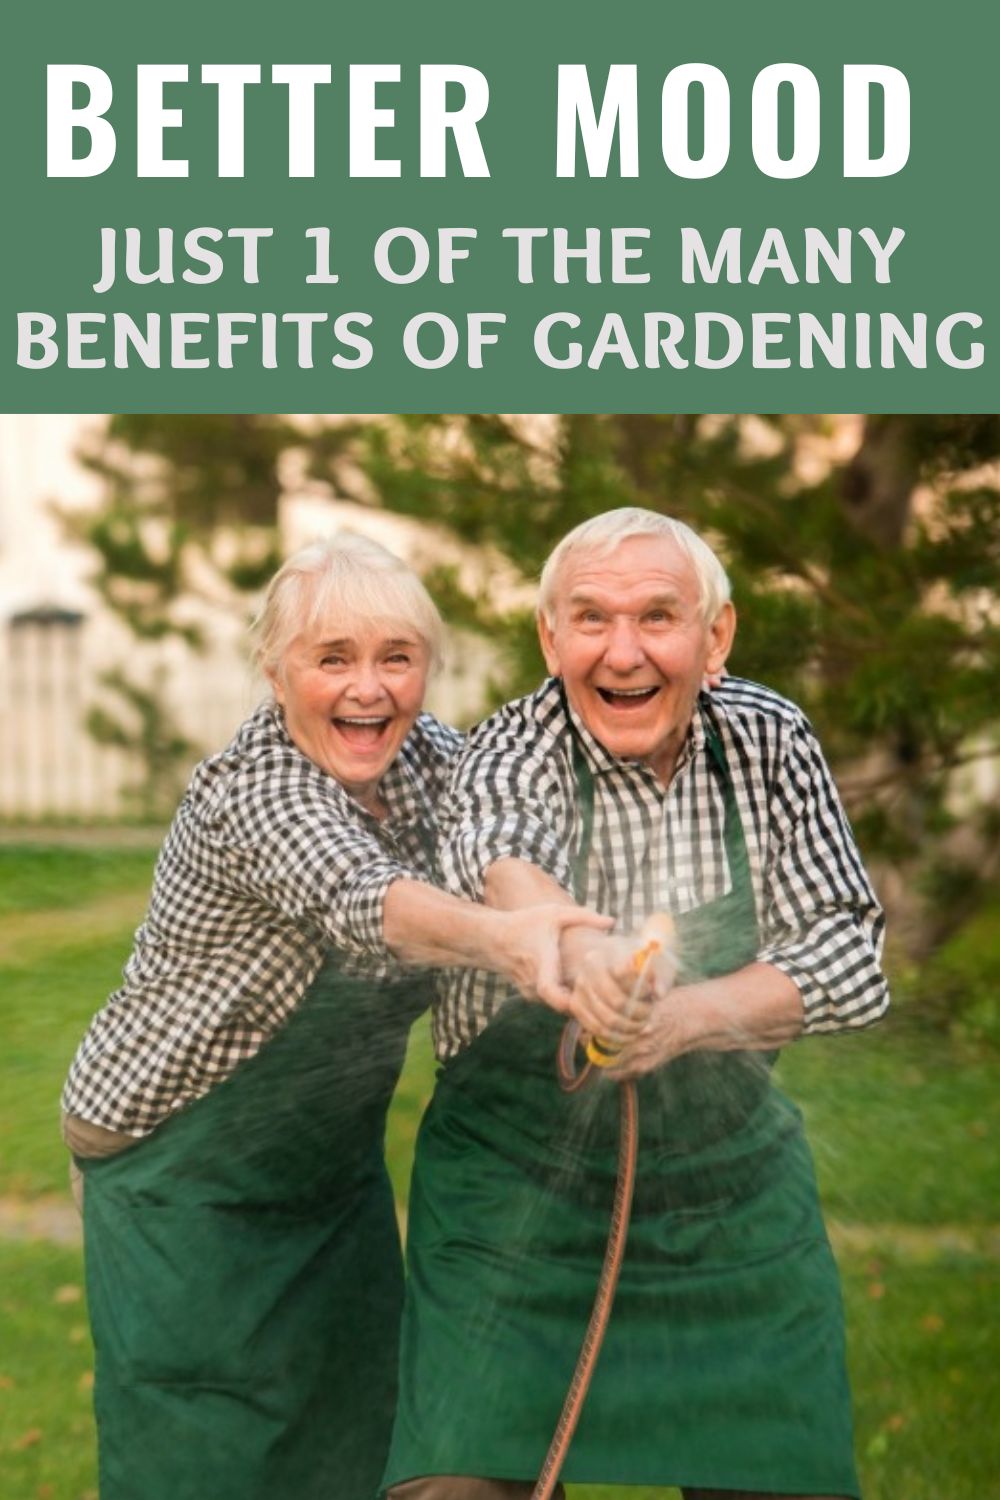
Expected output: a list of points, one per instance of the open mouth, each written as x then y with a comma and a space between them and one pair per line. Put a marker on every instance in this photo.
628, 698
362, 733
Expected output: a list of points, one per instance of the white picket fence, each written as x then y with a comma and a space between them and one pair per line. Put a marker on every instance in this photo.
51, 767
51, 662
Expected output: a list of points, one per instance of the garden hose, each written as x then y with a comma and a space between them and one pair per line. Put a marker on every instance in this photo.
600, 1053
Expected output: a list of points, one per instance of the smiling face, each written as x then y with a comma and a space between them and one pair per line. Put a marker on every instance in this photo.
629, 641
350, 698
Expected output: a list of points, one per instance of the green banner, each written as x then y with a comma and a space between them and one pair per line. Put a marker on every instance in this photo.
555, 207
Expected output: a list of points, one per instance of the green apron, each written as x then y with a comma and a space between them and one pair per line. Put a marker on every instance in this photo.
723, 1365
244, 1273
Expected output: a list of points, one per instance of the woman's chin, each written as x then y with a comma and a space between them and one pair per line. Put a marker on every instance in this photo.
360, 760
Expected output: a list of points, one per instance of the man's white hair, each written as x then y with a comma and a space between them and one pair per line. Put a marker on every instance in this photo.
346, 581
603, 534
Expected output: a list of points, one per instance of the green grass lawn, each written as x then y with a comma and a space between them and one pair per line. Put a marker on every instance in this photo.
46, 1427
39, 877
901, 1125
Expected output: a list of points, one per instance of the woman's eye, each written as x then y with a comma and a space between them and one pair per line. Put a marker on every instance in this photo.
398, 659
332, 661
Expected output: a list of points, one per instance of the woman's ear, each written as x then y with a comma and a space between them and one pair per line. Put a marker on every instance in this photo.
277, 686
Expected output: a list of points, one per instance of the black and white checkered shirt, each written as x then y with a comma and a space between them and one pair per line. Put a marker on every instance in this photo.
513, 795
269, 862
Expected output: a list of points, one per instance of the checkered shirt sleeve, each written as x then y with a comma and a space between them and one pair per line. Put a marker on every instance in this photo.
823, 925
308, 863
509, 798
269, 864
513, 795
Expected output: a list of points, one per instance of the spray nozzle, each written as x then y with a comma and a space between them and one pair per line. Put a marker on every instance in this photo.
657, 937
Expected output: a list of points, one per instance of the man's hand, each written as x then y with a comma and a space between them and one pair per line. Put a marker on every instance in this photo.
612, 999
755, 1009
661, 1039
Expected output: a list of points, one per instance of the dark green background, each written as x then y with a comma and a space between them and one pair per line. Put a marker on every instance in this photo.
946, 198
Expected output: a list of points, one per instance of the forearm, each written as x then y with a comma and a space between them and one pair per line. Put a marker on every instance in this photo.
513, 884
425, 926
754, 1009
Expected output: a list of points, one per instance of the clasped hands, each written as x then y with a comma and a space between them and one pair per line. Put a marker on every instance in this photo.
565, 956
628, 1000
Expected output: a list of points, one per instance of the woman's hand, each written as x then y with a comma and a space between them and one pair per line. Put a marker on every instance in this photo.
527, 949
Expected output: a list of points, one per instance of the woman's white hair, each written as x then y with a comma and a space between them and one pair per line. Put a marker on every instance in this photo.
346, 579
602, 534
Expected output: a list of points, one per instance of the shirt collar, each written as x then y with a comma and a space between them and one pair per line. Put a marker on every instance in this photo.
272, 721
401, 790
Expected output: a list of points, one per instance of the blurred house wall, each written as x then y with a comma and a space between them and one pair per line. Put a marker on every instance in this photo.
57, 637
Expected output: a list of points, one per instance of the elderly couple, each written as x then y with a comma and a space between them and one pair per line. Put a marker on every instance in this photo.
227, 1106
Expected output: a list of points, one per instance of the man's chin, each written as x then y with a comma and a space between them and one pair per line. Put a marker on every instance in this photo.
625, 742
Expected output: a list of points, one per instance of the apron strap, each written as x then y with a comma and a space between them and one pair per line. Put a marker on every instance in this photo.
733, 834
585, 793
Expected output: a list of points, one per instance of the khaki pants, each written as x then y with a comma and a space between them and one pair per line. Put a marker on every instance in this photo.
460, 1487
457, 1487
90, 1141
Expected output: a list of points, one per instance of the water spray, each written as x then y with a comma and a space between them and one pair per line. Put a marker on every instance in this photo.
657, 939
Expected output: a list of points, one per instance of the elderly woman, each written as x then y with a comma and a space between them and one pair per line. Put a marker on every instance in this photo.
227, 1106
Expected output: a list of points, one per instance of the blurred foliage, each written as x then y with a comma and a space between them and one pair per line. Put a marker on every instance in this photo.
139, 722
865, 575
189, 511
190, 502
864, 560
958, 987
202, 471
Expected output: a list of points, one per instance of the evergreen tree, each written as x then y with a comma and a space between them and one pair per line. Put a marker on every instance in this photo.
864, 552
189, 510
866, 584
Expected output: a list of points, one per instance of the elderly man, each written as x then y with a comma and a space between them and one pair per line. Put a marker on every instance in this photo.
622, 784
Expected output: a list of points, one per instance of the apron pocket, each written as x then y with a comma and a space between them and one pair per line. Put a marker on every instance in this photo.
198, 1294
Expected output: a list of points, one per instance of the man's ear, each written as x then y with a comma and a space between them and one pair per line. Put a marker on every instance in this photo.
720, 638
548, 645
